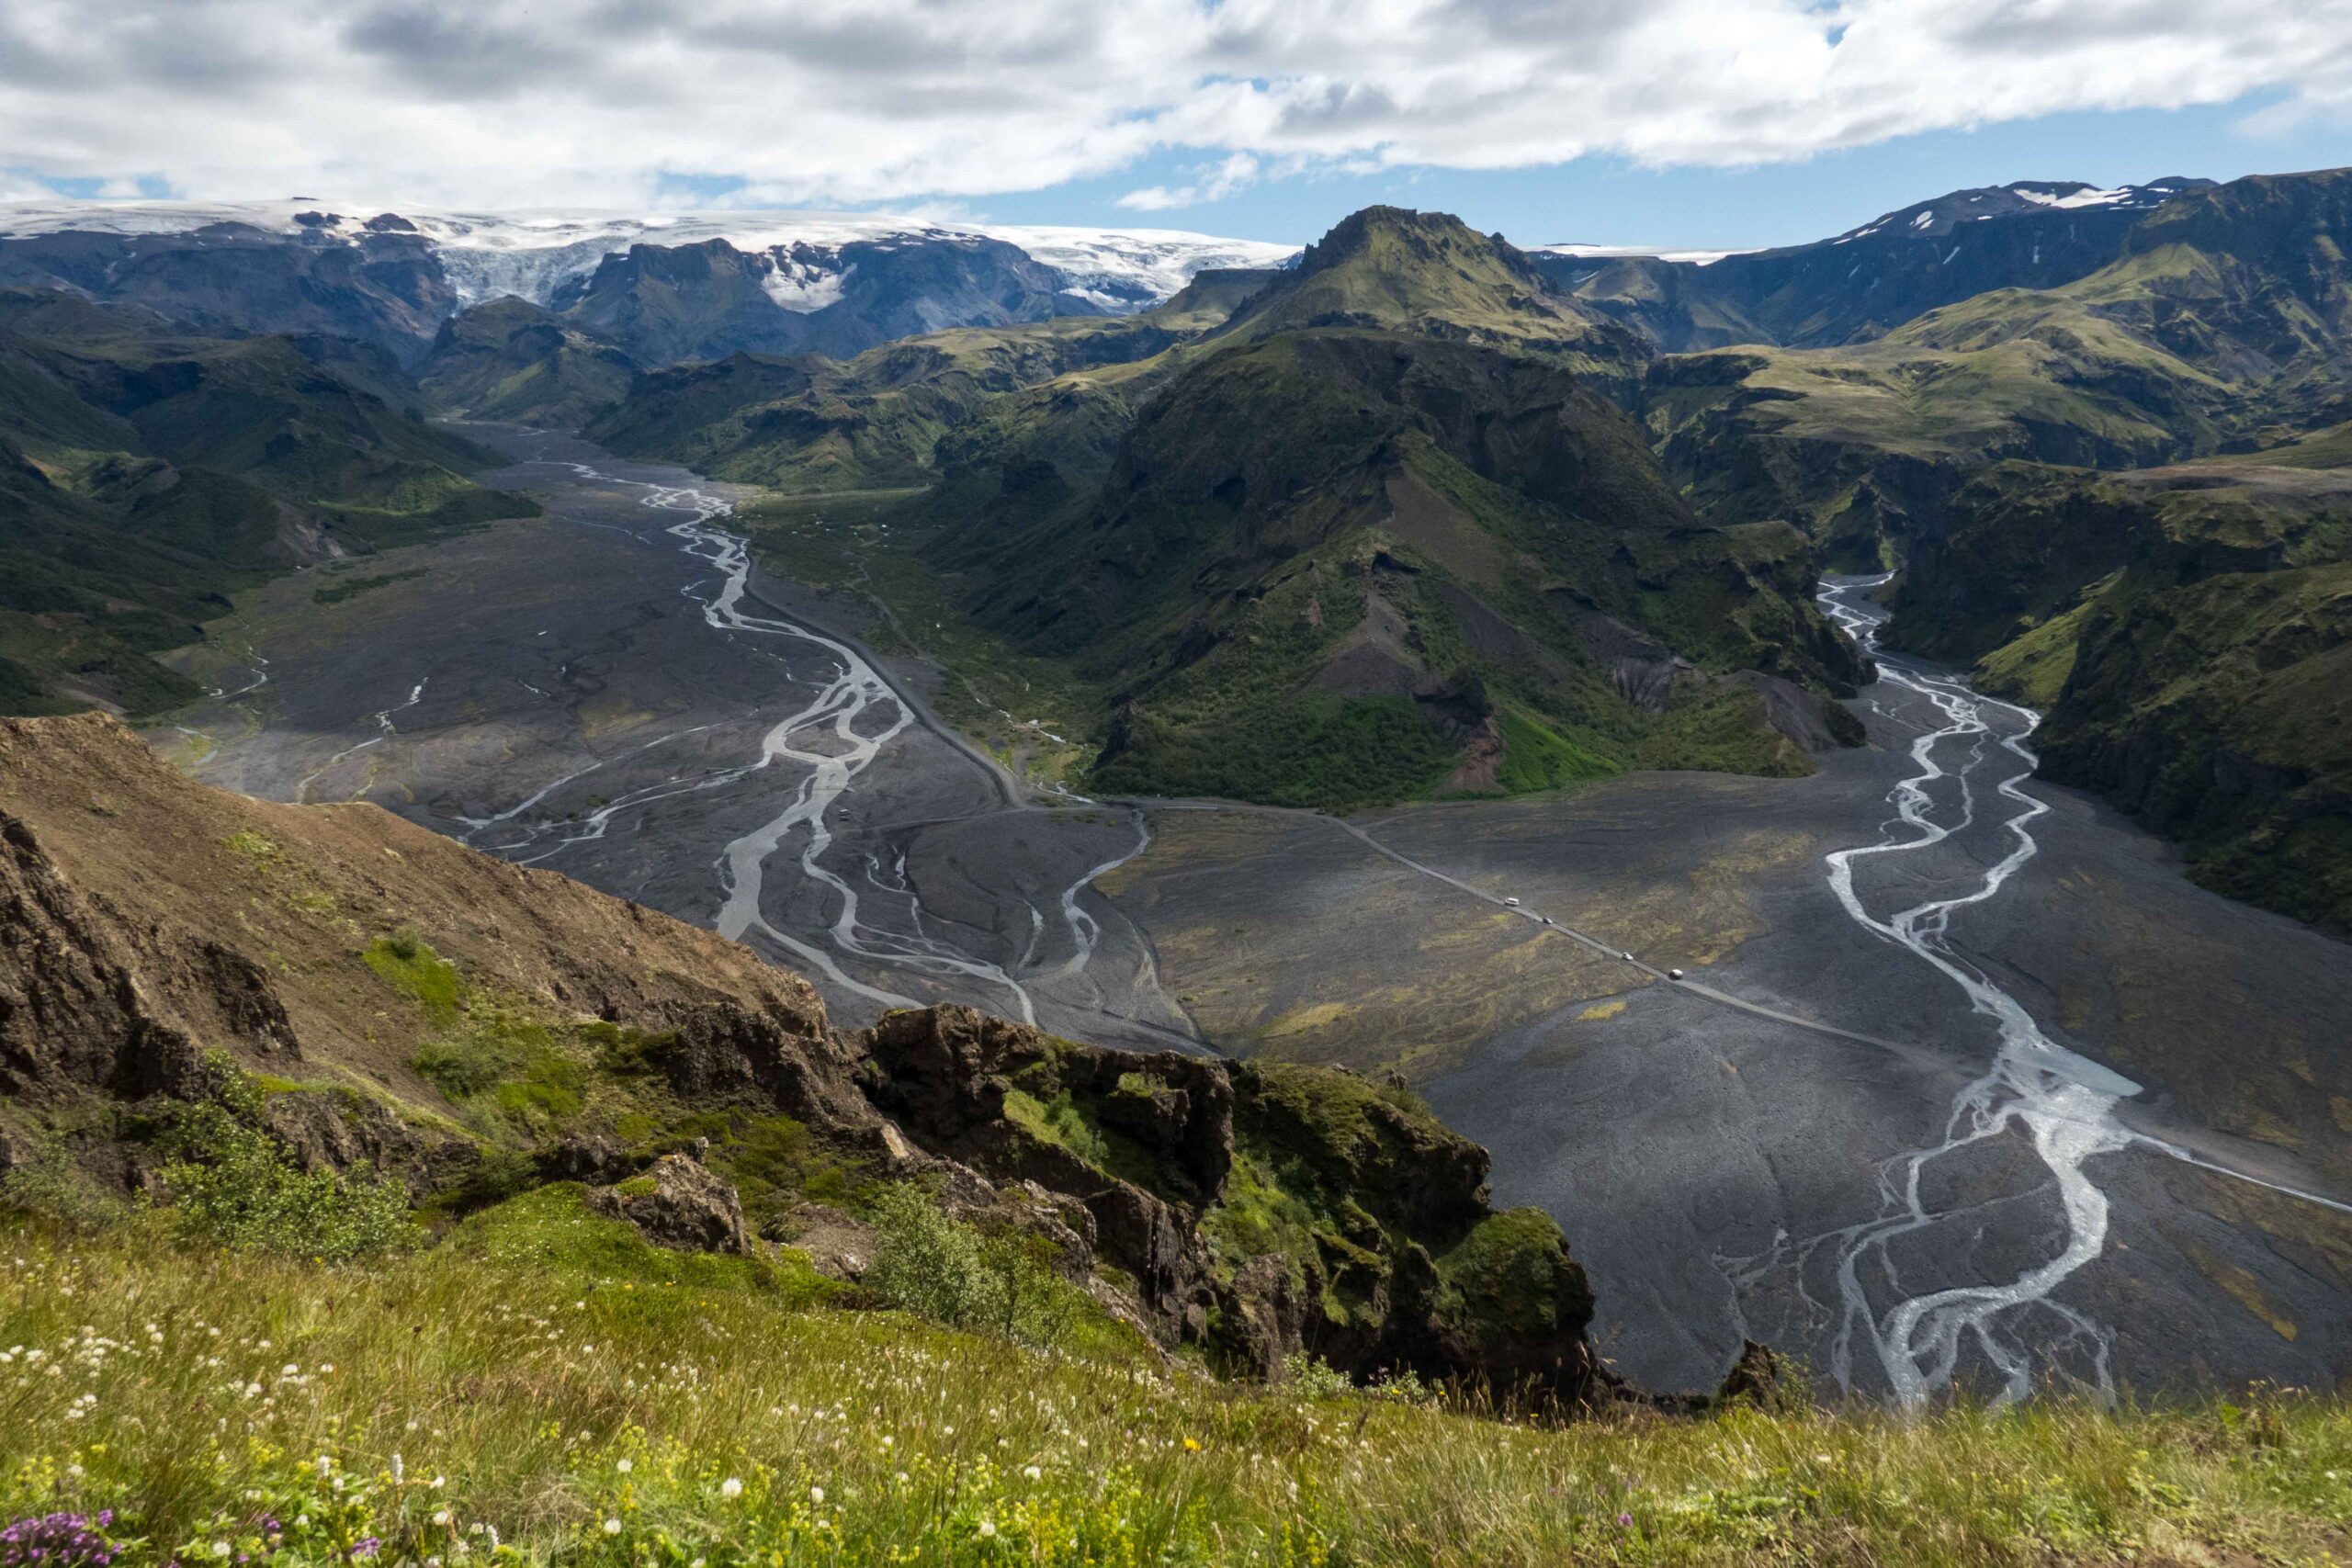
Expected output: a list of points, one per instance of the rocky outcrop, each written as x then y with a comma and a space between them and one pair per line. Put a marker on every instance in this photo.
678, 1202
81, 1004
1405, 1266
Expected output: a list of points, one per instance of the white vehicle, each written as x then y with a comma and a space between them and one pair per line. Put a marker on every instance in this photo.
1511, 903
1628, 958
1674, 974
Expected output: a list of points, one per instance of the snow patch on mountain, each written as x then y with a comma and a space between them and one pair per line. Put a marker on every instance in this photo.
1650, 253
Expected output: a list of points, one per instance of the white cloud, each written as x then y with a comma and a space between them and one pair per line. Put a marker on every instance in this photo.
523, 103
1216, 182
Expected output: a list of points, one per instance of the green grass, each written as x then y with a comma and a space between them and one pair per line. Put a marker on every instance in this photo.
1535, 758
2033, 667
1310, 748
409, 965
545, 1374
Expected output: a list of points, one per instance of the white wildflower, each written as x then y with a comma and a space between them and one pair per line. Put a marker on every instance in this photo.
612, 1527
731, 1488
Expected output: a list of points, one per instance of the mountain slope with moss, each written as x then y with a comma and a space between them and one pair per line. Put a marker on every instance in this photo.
1334, 566
2225, 323
146, 473
1366, 529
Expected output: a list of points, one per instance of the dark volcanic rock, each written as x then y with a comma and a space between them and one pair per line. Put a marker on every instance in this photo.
1405, 1266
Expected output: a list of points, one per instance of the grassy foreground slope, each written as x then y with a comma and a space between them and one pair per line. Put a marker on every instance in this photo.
545, 1387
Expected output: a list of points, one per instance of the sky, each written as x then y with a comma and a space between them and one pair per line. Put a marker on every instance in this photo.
1677, 123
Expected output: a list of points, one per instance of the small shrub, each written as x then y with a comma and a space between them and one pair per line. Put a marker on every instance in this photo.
939, 1268
50, 1185
462, 1067
1311, 1377
234, 1184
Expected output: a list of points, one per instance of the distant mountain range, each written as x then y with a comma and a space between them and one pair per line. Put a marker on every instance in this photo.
1862, 283
667, 286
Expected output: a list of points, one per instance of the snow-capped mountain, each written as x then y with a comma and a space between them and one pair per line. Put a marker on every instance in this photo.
1869, 279
1618, 253
534, 255
2025, 198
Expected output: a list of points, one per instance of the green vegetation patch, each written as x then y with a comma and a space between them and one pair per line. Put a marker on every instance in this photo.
547, 1375
407, 962
1537, 758
353, 587
1310, 748
233, 1182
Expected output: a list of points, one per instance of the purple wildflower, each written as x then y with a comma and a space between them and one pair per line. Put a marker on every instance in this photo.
57, 1540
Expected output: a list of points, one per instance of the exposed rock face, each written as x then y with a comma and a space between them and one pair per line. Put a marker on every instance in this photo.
81, 1004
385, 287
679, 1204
839, 1246
1410, 1268
136, 907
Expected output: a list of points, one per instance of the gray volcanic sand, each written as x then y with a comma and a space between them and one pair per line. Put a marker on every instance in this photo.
574, 708
1690, 1150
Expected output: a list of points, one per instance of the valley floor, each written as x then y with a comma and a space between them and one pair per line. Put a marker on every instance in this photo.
541, 1386
581, 693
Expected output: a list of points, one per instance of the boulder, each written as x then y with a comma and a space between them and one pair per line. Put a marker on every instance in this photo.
837, 1246
678, 1203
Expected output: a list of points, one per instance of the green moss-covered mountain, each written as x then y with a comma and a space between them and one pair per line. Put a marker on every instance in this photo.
2185, 628
1367, 528
2122, 498
511, 360
2226, 322
145, 473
